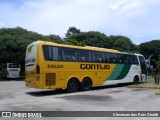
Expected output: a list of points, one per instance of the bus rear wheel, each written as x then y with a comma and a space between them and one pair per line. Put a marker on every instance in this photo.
72, 85
86, 84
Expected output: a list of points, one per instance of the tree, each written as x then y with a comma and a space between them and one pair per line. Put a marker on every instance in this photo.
74, 42
53, 38
72, 31
13, 43
122, 43
99, 39
91, 38
158, 64
149, 48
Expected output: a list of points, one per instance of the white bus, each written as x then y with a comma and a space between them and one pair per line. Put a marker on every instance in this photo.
10, 71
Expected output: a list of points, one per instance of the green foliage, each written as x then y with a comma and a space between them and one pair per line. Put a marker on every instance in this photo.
158, 64
53, 38
122, 43
72, 31
13, 43
98, 39
92, 38
74, 42
149, 48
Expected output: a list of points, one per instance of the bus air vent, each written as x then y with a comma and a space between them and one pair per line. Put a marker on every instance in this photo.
50, 79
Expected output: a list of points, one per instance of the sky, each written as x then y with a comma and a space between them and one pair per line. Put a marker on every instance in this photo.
137, 19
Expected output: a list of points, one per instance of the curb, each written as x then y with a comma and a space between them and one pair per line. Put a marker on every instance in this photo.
158, 93
144, 86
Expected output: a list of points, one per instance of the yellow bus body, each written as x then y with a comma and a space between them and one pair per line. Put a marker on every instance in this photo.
56, 74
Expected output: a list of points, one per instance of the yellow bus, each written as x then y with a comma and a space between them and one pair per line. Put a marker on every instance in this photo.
50, 65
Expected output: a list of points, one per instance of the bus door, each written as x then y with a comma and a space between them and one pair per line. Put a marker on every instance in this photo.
143, 68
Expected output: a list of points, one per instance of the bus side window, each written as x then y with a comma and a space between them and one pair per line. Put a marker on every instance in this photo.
112, 58
120, 58
134, 60
54, 53
106, 58
51, 53
84, 56
69, 54
129, 59
125, 60
98, 57
46, 52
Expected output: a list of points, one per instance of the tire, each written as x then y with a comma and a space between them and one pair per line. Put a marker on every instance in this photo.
136, 80
72, 85
86, 84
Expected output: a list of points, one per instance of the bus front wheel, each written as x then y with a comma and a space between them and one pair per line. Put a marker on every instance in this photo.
72, 85
136, 80
86, 84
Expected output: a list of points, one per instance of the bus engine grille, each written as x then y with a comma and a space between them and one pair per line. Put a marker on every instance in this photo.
50, 79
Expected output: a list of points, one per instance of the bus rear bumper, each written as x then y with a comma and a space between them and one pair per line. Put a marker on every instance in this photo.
32, 84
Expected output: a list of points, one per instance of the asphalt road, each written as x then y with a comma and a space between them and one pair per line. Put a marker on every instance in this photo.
15, 96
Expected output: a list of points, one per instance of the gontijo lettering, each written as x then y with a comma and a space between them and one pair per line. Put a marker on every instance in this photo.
95, 66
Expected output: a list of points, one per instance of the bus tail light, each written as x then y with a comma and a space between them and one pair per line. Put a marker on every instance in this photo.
38, 72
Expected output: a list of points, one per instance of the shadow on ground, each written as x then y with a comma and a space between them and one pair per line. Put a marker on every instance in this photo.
63, 91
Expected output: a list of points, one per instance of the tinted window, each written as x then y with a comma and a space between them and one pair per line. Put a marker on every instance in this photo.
69, 54
112, 58
79, 55
55, 53
84, 55
134, 59
13, 66
51, 53
98, 57
122, 59
45, 52
131, 59
127, 59
106, 58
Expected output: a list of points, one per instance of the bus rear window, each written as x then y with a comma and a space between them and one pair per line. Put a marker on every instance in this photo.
13, 66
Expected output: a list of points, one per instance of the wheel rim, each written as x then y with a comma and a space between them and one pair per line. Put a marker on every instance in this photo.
72, 86
86, 84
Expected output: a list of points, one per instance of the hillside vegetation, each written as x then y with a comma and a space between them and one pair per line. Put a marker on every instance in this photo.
13, 42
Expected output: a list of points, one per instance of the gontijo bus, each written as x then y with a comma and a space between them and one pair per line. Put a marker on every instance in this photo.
50, 65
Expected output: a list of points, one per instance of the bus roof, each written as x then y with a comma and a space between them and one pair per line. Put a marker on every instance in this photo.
81, 47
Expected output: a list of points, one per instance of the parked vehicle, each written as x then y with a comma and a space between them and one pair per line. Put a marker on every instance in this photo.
10, 70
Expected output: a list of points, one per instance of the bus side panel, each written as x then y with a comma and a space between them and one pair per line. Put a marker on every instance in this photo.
56, 74
123, 73
52, 75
